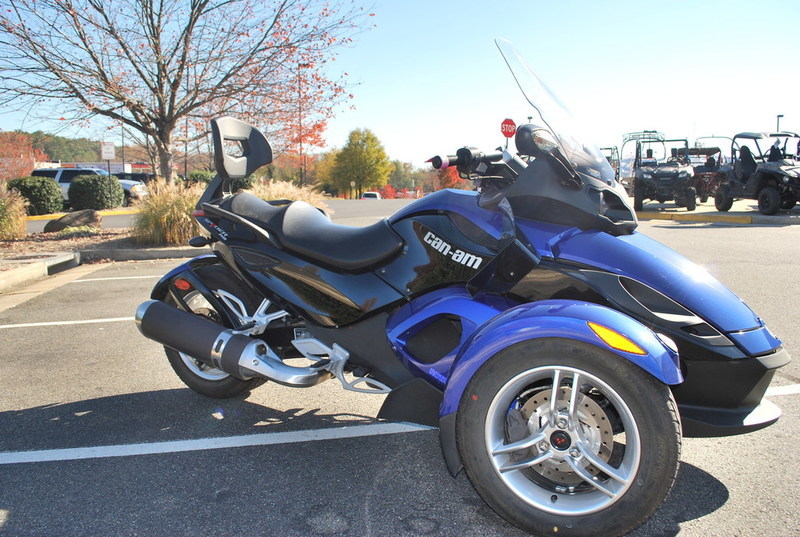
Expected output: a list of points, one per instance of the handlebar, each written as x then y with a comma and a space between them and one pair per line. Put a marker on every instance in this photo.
464, 158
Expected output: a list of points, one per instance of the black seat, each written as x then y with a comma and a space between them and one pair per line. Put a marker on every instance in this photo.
746, 164
307, 231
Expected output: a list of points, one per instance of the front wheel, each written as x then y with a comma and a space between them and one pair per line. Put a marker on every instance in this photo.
564, 438
638, 198
691, 199
769, 200
722, 199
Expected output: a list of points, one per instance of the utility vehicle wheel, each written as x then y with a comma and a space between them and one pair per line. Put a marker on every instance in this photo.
638, 198
722, 200
788, 204
202, 378
769, 200
703, 198
564, 438
691, 199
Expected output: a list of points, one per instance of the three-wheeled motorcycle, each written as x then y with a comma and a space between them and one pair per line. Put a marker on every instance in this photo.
561, 353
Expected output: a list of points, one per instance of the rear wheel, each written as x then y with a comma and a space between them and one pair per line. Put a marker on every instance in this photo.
769, 200
563, 438
788, 204
202, 378
722, 199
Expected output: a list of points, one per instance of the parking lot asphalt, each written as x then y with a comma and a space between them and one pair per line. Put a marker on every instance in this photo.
114, 444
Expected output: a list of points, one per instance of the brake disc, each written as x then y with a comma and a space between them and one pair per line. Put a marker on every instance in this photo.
594, 427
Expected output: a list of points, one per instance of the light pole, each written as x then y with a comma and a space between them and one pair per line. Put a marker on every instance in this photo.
300, 120
778, 126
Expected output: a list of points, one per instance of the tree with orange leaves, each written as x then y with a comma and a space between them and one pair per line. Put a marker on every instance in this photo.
162, 68
18, 157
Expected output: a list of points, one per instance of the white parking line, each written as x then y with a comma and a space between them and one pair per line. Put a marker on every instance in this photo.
116, 278
66, 323
200, 444
791, 389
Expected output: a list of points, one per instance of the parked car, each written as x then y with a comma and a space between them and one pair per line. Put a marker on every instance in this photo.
765, 168
134, 176
134, 190
371, 196
660, 170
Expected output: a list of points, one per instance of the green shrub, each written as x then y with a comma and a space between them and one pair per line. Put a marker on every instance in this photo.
12, 214
77, 231
200, 176
43, 194
245, 183
204, 177
96, 192
165, 216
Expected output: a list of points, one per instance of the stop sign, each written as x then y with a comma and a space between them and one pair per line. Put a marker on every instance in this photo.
508, 128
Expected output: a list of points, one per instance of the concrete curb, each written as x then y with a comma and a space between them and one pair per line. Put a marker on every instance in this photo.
40, 266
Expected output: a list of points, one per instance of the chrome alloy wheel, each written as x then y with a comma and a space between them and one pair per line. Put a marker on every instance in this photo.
570, 454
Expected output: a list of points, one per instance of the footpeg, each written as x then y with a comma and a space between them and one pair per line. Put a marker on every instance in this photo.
315, 350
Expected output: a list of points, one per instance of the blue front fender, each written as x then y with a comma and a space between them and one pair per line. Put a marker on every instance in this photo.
557, 319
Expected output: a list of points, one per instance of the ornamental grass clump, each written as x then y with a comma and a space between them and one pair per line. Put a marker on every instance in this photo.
165, 216
13, 214
284, 190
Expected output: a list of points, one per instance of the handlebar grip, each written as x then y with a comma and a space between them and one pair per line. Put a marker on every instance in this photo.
442, 162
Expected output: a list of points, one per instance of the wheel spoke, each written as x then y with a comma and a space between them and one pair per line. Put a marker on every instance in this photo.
532, 462
614, 473
589, 478
554, 397
525, 443
572, 420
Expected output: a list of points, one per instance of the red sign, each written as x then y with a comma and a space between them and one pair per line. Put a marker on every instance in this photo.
508, 128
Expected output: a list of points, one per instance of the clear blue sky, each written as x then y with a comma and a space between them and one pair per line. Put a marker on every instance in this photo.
430, 80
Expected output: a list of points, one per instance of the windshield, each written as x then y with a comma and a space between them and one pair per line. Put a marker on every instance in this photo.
585, 157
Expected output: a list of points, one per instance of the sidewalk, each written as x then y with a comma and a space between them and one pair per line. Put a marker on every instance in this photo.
39, 266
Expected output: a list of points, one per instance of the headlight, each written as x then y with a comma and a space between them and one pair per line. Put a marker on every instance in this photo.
785, 179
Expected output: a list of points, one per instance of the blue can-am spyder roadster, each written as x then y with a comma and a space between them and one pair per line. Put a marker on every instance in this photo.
560, 353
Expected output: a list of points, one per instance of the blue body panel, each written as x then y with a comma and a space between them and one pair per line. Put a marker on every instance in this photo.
490, 324
650, 262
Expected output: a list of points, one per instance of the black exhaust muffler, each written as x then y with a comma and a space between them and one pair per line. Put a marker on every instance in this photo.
191, 334
237, 354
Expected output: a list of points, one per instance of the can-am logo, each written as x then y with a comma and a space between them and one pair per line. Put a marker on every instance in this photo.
459, 256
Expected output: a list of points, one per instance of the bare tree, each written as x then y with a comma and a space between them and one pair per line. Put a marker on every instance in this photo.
164, 67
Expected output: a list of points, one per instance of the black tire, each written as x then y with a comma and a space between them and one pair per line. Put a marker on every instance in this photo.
703, 198
787, 205
638, 198
202, 378
769, 200
624, 415
722, 199
691, 199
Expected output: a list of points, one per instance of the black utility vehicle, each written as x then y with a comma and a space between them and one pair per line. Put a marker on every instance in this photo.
660, 170
765, 168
